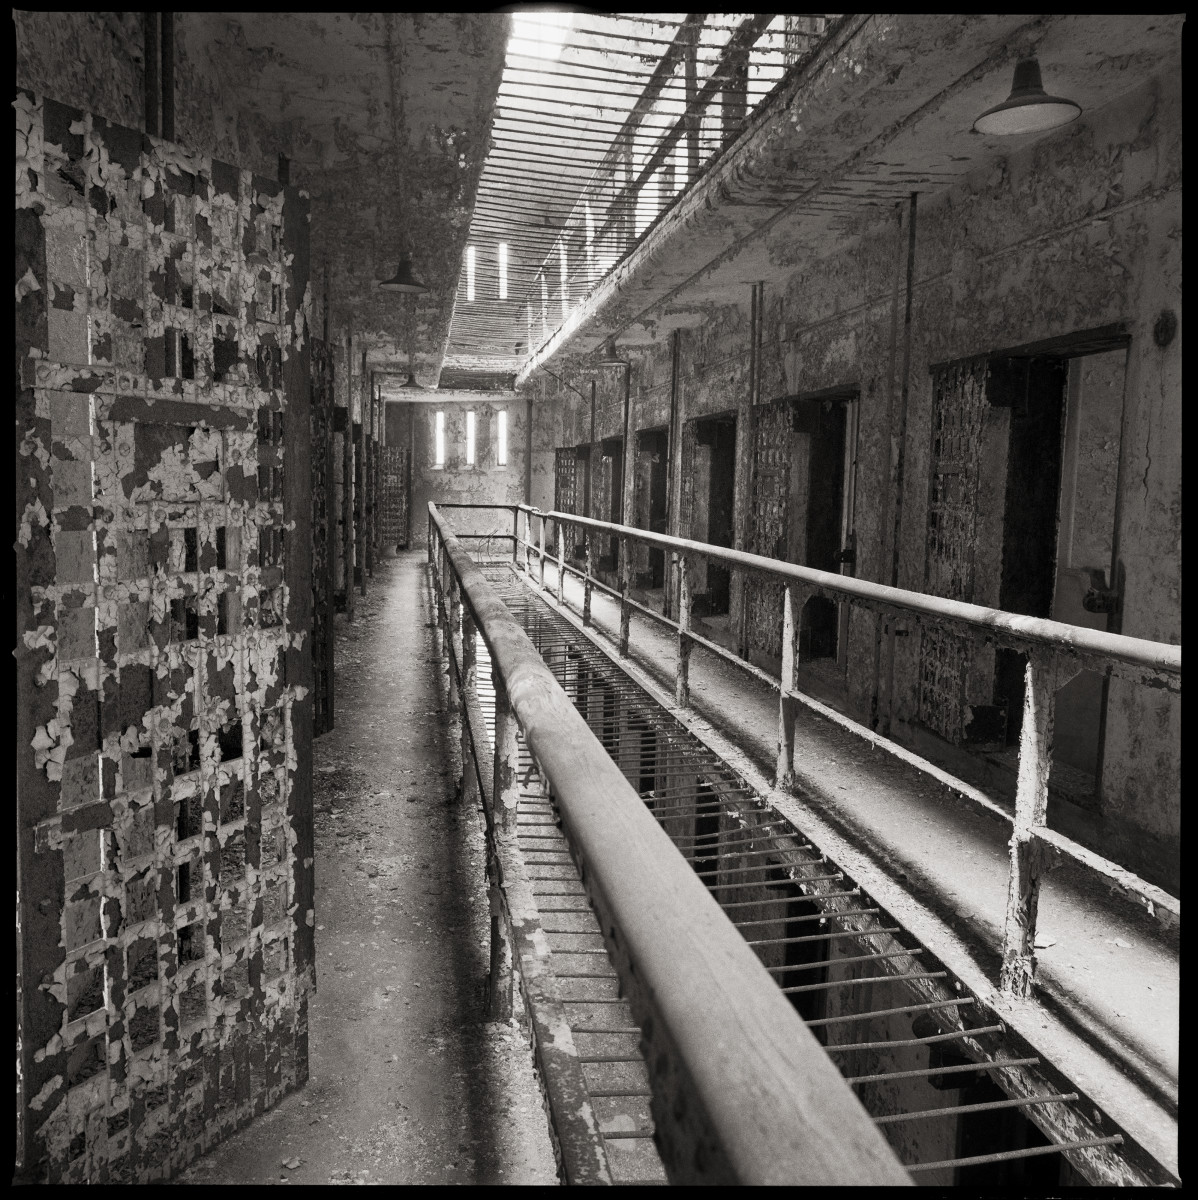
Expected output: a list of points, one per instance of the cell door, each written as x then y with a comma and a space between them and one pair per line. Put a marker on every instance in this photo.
823, 491
164, 673
393, 474
1059, 538
1086, 590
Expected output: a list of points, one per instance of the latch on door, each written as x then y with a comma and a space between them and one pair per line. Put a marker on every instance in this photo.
849, 553
1099, 598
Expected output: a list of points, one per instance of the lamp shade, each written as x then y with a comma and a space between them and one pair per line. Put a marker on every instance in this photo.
608, 357
403, 280
411, 385
1028, 109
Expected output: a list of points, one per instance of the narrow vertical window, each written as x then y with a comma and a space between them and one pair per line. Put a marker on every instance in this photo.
544, 306
501, 443
439, 440
565, 276
469, 272
470, 438
503, 270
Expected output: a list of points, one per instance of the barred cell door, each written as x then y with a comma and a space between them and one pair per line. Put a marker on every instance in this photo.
958, 417
393, 467
164, 673
770, 523
324, 532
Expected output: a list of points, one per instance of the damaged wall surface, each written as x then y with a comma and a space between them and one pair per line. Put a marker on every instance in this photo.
164, 728
1074, 238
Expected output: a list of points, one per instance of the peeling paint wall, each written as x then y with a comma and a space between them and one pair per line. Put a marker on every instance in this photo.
1078, 231
164, 864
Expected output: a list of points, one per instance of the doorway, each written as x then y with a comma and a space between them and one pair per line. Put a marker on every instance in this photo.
825, 539
649, 498
1059, 541
714, 466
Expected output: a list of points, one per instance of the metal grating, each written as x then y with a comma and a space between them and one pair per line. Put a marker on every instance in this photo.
602, 121
842, 959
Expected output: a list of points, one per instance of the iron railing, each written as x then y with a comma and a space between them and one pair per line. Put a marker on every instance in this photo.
1055, 652
742, 1091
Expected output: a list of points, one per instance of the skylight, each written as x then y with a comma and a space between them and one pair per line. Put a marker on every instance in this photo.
539, 34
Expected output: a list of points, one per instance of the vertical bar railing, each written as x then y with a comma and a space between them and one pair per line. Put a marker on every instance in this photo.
740, 1091
541, 555
1056, 652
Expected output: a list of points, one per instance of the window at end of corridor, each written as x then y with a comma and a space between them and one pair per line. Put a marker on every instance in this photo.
470, 438
439, 440
501, 441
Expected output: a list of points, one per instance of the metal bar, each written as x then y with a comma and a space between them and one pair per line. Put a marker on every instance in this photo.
1021, 632
887, 1012
854, 958
1007, 1155
989, 1106
828, 985
1041, 680
956, 1035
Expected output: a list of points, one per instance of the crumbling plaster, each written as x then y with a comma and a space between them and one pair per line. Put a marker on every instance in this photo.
317, 88
1079, 230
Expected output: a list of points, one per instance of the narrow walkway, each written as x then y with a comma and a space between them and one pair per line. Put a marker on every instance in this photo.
409, 1083
1107, 974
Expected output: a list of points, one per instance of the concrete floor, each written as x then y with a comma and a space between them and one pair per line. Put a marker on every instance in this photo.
1110, 978
409, 1083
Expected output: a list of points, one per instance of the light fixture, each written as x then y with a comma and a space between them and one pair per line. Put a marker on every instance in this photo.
609, 357
1027, 109
411, 385
403, 280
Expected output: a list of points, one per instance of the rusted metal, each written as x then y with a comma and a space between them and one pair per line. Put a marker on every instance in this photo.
730, 1104
557, 636
1043, 677
1096, 648
1072, 648
164, 670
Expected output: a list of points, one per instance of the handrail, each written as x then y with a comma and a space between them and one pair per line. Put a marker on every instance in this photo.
1037, 632
1055, 652
742, 1091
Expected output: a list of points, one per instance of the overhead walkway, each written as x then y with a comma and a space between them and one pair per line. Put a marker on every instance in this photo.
876, 900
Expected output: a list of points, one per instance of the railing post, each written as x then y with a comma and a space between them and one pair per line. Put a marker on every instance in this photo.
589, 542
469, 674
516, 535
505, 796
625, 584
794, 599
561, 563
454, 617
541, 552
1030, 857
682, 685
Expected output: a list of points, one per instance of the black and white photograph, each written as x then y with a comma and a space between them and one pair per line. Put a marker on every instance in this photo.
598, 599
